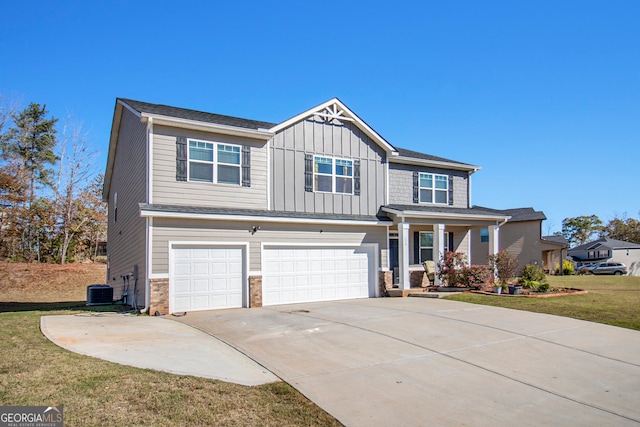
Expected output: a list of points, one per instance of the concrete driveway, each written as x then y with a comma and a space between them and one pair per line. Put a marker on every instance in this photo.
416, 361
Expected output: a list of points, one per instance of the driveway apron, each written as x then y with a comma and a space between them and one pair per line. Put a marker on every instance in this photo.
418, 361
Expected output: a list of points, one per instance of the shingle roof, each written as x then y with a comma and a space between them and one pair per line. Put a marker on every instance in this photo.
183, 113
517, 214
200, 210
446, 209
605, 241
556, 238
417, 155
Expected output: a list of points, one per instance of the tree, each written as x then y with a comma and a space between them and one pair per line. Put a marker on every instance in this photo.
580, 229
627, 229
95, 211
31, 141
73, 170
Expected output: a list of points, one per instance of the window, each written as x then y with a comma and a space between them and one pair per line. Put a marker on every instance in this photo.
222, 167
484, 235
434, 188
332, 175
426, 245
115, 207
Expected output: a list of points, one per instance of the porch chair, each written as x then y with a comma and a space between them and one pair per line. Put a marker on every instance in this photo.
430, 270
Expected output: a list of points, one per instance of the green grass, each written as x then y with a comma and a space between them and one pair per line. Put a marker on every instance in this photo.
611, 300
34, 371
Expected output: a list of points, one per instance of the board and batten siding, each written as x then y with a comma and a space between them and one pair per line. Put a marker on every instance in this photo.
167, 230
167, 190
401, 184
317, 137
127, 236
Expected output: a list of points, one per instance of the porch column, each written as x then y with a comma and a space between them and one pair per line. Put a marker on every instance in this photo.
403, 255
438, 249
494, 242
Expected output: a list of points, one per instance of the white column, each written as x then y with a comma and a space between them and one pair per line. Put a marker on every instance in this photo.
438, 249
494, 243
403, 255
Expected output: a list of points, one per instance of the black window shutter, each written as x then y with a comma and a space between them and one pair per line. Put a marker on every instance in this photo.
308, 172
416, 247
416, 188
181, 158
450, 190
246, 166
451, 249
356, 177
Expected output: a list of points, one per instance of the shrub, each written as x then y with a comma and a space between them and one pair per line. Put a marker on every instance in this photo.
475, 276
504, 265
543, 287
532, 276
451, 266
567, 268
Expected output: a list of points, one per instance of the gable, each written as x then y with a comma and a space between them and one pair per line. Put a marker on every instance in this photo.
335, 113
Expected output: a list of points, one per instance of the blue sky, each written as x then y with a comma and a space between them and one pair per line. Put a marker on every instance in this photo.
544, 95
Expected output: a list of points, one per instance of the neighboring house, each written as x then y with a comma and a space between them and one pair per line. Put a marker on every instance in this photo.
209, 211
554, 251
520, 236
608, 250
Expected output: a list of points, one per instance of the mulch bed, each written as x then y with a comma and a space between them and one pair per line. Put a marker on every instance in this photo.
528, 293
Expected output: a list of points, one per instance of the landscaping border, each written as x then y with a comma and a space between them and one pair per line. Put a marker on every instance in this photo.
549, 295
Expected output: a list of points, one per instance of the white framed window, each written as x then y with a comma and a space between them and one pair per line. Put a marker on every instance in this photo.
213, 162
434, 188
426, 245
331, 175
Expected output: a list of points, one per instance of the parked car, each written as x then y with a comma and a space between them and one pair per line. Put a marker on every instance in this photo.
616, 268
583, 269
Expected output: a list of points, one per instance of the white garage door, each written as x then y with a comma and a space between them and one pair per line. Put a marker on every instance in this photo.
205, 278
316, 274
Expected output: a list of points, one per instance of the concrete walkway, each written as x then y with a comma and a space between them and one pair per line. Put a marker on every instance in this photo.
419, 361
154, 343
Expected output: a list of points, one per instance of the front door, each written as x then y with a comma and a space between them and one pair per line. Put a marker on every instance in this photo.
393, 259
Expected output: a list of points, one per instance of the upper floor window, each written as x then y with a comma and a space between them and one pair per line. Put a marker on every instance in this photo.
214, 162
434, 188
332, 175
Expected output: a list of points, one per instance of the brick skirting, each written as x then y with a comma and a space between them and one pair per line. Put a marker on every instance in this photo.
385, 282
159, 296
255, 291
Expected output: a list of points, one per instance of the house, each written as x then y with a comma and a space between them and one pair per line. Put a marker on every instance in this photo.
608, 250
554, 252
520, 236
209, 211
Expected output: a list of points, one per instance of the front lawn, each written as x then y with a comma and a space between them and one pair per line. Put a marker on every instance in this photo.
34, 371
612, 300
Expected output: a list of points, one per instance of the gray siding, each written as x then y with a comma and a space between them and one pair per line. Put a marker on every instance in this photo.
127, 236
166, 190
401, 184
521, 239
314, 136
173, 230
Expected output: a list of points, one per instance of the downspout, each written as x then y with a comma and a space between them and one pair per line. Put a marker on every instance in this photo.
148, 221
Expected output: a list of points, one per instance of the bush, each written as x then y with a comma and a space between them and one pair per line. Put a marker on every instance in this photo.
504, 265
543, 287
475, 276
451, 267
567, 268
532, 276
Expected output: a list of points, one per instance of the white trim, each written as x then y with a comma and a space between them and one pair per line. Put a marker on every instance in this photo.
433, 188
403, 214
269, 176
149, 259
150, 161
345, 113
159, 276
255, 273
373, 247
386, 188
185, 215
246, 259
215, 162
435, 163
333, 174
131, 109
262, 134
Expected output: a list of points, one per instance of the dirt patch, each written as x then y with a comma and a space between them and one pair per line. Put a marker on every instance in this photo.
23, 282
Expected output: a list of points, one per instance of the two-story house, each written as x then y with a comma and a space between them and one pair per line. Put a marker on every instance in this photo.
209, 211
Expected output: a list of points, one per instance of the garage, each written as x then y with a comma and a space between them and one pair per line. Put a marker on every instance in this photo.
206, 277
306, 274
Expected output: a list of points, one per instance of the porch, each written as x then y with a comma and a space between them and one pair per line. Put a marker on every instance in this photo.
421, 233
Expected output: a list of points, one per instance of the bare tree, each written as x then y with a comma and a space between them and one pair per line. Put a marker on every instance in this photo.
74, 169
